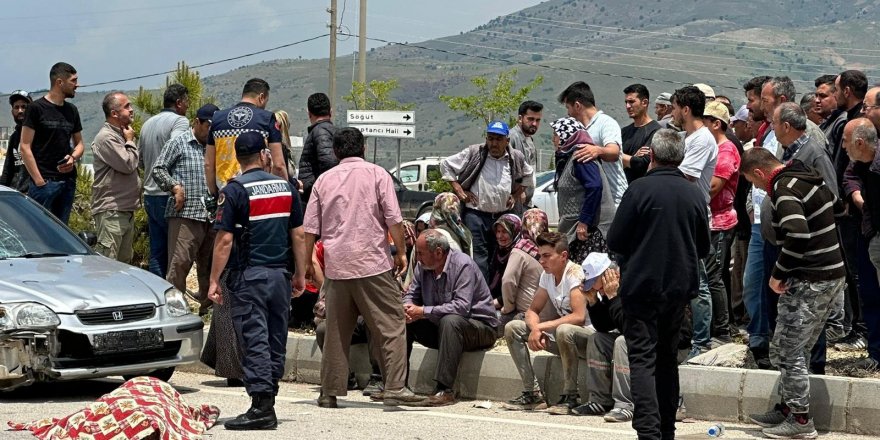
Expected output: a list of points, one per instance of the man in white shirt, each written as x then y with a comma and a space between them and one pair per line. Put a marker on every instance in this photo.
567, 335
488, 178
698, 166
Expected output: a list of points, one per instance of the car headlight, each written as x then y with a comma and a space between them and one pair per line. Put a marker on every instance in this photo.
176, 303
28, 315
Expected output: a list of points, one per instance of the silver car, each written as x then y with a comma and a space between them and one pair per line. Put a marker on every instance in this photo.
69, 313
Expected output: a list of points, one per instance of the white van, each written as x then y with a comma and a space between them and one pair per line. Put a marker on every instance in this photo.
414, 174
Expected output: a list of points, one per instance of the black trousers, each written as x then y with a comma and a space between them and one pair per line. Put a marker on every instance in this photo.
453, 336
652, 332
260, 306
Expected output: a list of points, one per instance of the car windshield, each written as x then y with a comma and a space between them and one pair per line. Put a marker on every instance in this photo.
543, 178
28, 231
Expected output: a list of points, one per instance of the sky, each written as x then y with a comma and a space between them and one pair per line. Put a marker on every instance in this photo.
107, 41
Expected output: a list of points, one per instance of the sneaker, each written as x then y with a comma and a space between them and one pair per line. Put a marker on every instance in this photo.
695, 351
681, 410
771, 418
619, 415
327, 401
566, 403
590, 409
527, 401
867, 363
853, 342
375, 385
794, 426
401, 397
352, 381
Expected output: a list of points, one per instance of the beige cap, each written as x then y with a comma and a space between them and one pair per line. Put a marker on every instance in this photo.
706, 90
718, 111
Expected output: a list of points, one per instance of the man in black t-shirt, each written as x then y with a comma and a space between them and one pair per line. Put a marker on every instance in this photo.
14, 175
637, 135
51, 143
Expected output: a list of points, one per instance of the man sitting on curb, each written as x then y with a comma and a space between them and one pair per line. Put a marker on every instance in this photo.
567, 336
609, 388
449, 308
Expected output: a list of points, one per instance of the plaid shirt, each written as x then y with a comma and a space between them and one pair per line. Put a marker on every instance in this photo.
182, 162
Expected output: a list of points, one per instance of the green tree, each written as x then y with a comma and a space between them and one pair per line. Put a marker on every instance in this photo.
493, 100
376, 95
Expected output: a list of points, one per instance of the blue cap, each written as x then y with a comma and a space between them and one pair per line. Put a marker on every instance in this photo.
498, 127
249, 142
206, 112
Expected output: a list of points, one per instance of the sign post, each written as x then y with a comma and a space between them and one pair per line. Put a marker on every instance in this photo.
383, 123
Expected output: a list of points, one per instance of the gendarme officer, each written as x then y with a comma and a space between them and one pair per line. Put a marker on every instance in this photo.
258, 218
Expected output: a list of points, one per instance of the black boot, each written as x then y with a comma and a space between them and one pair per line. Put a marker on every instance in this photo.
261, 415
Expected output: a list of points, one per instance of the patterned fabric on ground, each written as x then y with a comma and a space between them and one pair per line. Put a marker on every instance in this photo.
142, 408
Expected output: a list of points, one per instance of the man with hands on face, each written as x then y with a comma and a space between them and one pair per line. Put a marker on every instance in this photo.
808, 275
116, 189
488, 178
567, 334
448, 307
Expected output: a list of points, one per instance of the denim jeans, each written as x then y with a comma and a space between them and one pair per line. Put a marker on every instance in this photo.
56, 196
482, 227
715, 263
753, 292
701, 310
158, 232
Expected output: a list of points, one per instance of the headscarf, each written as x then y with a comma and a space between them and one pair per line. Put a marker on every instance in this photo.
571, 132
534, 223
513, 225
447, 214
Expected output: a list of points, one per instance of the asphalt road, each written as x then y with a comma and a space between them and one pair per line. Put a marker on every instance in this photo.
300, 417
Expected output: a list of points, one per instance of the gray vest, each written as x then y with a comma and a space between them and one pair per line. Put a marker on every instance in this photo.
570, 199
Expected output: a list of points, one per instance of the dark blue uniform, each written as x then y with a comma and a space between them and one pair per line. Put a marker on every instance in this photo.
259, 209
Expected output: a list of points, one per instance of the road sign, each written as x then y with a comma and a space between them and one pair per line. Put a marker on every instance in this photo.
387, 131
380, 117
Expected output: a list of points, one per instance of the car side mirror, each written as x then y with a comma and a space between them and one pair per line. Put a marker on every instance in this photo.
89, 237
551, 188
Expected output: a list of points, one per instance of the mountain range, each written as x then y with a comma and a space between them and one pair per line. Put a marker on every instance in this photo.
663, 44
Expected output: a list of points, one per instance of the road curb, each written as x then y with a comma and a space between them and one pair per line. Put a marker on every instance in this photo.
841, 404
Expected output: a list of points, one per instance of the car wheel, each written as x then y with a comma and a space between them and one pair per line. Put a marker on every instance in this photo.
164, 374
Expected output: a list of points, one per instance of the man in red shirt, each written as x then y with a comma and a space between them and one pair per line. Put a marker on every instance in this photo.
716, 117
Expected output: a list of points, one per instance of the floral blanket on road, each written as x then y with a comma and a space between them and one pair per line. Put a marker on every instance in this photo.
142, 408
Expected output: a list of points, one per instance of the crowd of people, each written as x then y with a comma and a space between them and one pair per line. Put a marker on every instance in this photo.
675, 235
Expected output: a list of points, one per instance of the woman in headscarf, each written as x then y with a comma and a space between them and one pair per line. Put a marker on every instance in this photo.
446, 217
578, 191
507, 234
520, 279
282, 122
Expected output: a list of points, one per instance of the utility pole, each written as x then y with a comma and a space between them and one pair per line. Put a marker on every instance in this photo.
362, 44
332, 68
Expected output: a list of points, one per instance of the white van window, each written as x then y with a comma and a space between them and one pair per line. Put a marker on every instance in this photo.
409, 174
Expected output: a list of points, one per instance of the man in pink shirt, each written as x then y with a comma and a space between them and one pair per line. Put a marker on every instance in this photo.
716, 117
352, 208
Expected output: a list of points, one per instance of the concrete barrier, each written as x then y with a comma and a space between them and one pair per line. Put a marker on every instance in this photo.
710, 393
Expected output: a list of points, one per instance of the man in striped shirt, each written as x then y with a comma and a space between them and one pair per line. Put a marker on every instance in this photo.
180, 170
808, 276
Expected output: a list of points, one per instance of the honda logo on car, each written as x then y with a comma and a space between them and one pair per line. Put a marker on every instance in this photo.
117, 316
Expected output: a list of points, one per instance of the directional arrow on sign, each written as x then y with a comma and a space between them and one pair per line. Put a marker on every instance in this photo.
380, 117
407, 132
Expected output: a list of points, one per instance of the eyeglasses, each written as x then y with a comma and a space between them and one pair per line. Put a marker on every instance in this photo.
865, 108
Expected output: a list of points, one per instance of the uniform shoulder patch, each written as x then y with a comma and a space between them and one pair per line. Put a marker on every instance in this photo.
221, 199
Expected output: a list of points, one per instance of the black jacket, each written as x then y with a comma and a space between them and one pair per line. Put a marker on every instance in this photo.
660, 232
606, 315
317, 155
15, 174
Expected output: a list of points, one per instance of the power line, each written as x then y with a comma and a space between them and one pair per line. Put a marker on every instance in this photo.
208, 63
